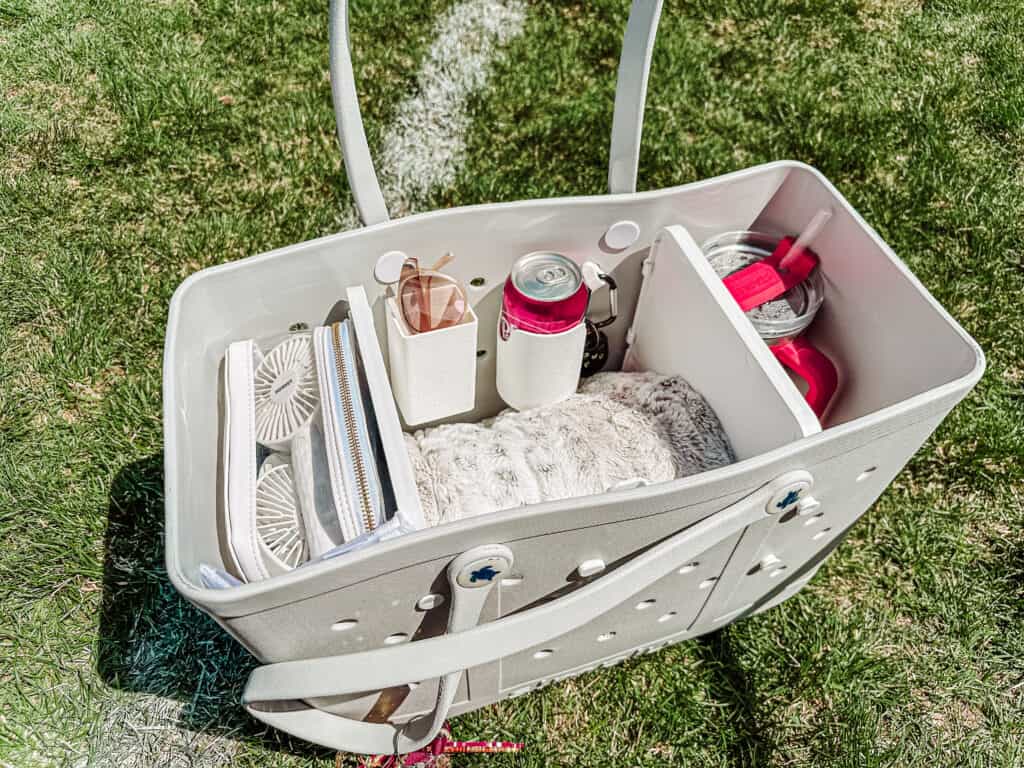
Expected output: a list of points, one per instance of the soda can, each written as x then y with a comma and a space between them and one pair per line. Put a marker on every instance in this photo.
544, 294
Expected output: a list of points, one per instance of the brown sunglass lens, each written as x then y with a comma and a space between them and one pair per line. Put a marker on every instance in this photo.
431, 302
410, 268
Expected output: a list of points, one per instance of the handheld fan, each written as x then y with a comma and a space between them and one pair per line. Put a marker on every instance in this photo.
286, 392
287, 395
279, 523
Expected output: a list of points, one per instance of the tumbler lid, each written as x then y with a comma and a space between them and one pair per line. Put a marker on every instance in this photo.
783, 317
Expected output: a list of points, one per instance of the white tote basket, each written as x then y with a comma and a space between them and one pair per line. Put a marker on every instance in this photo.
452, 618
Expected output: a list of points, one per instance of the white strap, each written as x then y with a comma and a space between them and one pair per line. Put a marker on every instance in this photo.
631, 94
362, 178
471, 577
440, 657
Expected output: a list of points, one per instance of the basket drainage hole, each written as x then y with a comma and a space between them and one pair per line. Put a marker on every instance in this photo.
478, 282
708, 582
395, 639
866, 474
666, 617
543, 654
822, 533
688, 568
344, 625
605, 637
643, 606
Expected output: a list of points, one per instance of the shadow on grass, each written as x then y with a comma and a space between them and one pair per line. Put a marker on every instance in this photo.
153, 641
733, 687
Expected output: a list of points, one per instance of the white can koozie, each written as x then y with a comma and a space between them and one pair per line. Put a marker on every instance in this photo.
535, 369
541, 333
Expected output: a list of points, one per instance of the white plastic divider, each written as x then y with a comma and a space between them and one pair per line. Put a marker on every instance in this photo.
686, 323
403, 482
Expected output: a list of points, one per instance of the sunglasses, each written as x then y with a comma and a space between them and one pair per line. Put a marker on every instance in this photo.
429, 299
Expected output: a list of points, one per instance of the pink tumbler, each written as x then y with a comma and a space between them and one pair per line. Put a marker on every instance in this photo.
780, 301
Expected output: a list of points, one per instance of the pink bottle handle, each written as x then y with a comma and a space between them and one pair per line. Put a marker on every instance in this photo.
813, 367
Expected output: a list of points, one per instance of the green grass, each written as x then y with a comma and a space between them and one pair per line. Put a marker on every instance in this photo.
141, 141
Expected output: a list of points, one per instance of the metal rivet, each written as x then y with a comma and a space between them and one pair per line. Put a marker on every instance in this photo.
821, 534
688, 568
707, 582
395, 639
644, 605
588, 568
808, 506
543, 654
605, 637
666, 616
815, 519
430, 602
777, 572
344, 625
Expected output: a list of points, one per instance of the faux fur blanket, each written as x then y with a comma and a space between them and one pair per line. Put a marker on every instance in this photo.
617, 428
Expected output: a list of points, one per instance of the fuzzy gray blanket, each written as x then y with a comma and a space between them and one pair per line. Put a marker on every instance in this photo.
618, 428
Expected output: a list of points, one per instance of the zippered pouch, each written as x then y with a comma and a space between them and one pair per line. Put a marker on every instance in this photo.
353, 468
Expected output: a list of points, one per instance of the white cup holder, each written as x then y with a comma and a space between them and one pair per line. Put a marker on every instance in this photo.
433, 374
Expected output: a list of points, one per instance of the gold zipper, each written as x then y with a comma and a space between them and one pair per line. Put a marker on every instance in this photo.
348, 406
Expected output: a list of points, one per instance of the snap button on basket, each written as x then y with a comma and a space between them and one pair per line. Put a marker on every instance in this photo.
482, 572
790, 488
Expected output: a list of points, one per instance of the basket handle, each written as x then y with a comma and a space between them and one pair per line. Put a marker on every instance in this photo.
362, 178
627, 122
275, 692
631, 95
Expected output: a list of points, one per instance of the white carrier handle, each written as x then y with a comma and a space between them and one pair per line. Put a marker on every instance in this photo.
275, 693
627, 122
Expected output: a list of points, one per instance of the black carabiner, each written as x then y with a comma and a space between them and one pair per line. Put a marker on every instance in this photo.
613, 302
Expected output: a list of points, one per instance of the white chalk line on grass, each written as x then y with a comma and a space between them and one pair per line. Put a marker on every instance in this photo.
425, 146
424, 149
